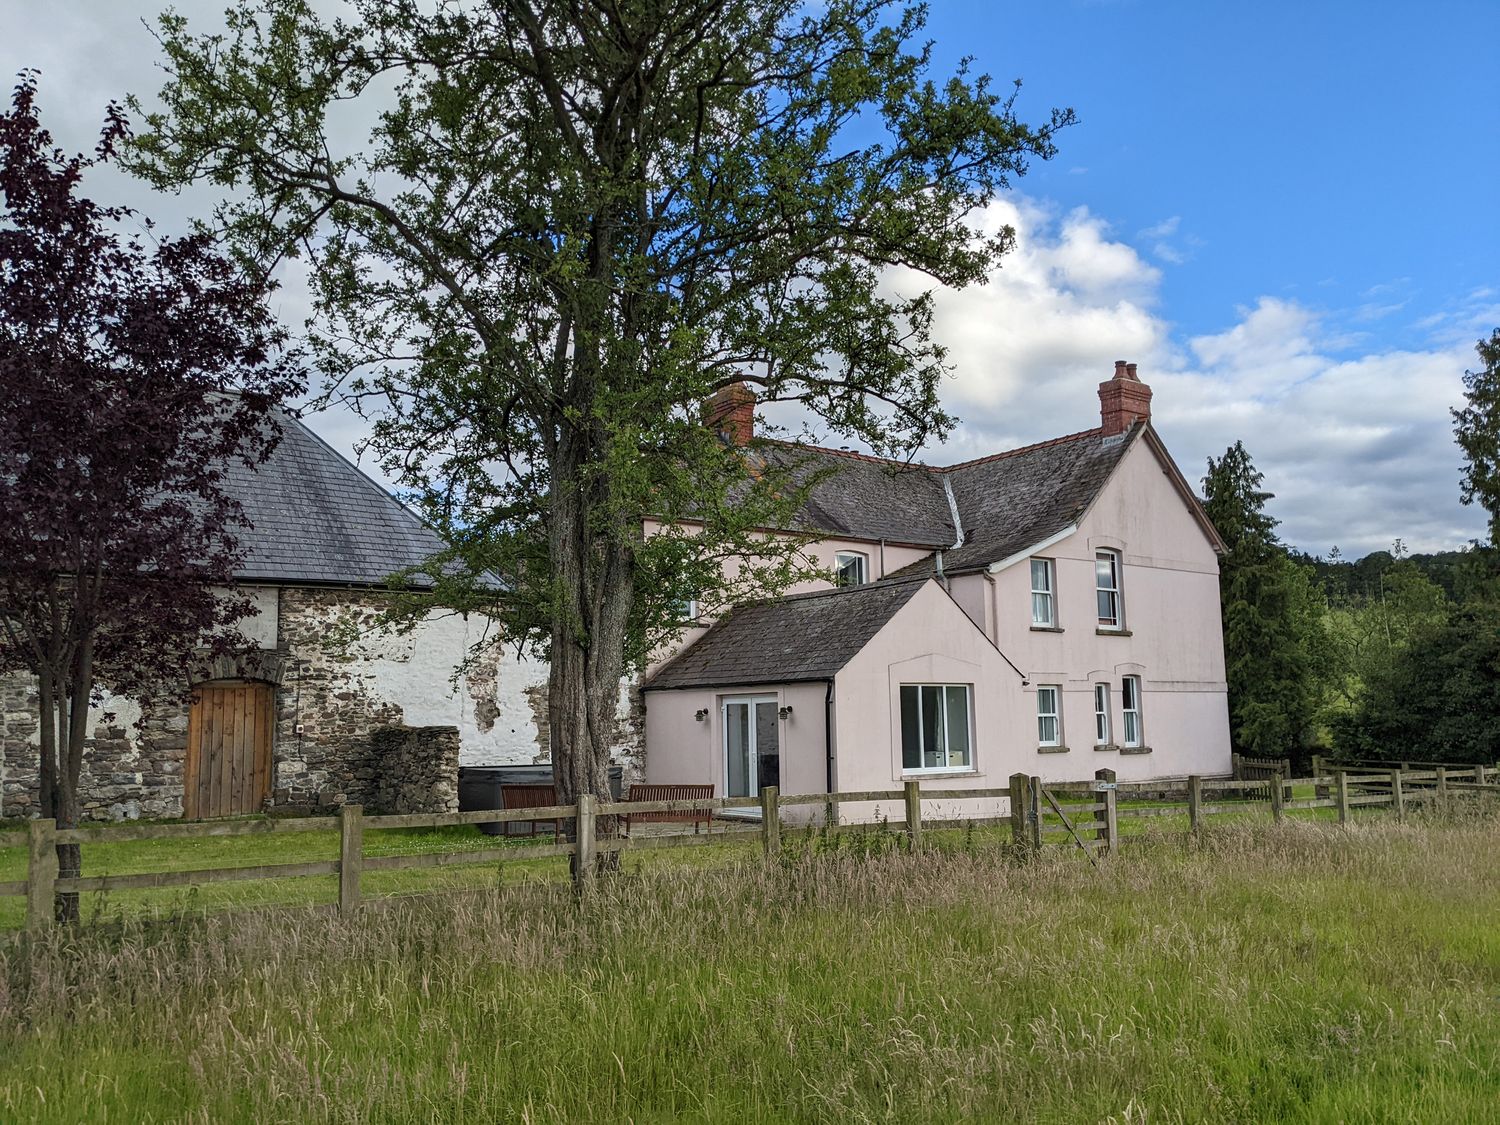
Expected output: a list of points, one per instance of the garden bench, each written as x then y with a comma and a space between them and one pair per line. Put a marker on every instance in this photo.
671, 793
521, 795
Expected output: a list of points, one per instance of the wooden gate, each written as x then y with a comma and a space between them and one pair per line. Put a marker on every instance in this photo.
228, 767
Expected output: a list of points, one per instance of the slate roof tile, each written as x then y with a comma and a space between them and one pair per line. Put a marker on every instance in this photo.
317, 519
797, 638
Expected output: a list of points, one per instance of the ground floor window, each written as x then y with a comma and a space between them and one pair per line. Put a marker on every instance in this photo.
1048, 715
935, 727
1130, 699
1101, 714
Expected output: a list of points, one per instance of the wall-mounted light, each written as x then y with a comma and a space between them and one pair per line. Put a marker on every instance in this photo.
785, 712
702, 714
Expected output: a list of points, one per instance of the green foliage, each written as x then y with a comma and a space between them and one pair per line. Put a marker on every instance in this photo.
1436, 698
541, 234
1273, 640
1477, 428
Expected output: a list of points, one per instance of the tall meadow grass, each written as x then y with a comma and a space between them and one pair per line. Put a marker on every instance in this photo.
1294, 973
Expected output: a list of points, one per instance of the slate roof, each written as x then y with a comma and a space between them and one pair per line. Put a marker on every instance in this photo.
317, 519
1013, 501
1006, 503
792, 639
865, 497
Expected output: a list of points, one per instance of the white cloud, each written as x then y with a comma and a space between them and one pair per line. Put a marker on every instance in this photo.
1357, 447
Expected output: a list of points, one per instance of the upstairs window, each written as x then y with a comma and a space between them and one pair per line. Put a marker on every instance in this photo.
1130, 699
850, 568
1107, 584
1043, 604
1048, 715
935, 732
1101, 714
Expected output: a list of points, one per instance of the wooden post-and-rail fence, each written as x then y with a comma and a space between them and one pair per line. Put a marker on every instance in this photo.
1084, 815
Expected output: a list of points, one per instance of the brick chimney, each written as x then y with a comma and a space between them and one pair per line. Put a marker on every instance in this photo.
731, 411
1123, 400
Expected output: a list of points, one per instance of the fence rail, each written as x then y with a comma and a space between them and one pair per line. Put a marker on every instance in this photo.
1081, 814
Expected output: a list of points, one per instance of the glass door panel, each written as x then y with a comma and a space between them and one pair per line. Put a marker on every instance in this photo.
767, 744
738, 750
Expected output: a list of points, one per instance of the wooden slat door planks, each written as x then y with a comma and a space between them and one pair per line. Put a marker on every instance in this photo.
228, 766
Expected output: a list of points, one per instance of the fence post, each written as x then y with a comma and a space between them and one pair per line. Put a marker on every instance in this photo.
770, 820
583, 859
1320, 791
351, 856
1020, 801
1195, 802
41, 874
1442, 786
1278, 809
1236, 767
914, 813
1398, 795
1034, 810
1106, 820
1341, 794
1479, 775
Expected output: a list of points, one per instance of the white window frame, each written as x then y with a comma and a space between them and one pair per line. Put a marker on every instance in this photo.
1102, 725
1055, 714
1046, 592
841, 559
690, 610
1130, 692
966, 766
1114, 591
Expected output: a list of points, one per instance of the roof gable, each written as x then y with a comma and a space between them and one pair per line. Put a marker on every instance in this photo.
317, 519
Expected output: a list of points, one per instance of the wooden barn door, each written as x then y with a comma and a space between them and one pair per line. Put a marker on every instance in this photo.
228, 768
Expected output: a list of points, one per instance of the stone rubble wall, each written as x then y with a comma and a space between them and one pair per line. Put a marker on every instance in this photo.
330, 702
416, 770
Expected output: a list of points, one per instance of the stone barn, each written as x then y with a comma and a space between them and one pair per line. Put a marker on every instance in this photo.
326, 708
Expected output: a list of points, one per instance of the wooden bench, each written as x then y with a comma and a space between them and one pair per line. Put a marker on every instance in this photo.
671, 793
526, 795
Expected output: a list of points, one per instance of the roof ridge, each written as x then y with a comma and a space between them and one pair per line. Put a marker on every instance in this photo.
853, 455
1096, 431
924, 466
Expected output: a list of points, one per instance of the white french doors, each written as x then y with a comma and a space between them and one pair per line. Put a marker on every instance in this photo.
752, 744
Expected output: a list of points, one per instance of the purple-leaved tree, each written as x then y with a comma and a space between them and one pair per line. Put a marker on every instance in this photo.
132, 371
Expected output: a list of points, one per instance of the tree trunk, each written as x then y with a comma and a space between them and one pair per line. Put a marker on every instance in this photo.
73, 729
594, 590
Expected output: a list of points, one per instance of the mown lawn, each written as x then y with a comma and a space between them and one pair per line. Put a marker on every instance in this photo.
1299, 973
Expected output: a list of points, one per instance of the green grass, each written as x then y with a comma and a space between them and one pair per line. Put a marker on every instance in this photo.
142, 856
1303, 973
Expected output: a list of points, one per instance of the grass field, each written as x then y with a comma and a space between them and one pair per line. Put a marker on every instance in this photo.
142, 856
1299, 973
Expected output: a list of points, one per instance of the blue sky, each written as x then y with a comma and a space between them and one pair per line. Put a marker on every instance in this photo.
1284, 212
1346, 155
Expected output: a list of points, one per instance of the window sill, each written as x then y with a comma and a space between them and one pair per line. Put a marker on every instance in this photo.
913, 775
1046, 629
1103, 746
1114, 632
1051, 749
1135, 749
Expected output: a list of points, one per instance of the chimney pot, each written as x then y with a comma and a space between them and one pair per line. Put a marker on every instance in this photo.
1123, 400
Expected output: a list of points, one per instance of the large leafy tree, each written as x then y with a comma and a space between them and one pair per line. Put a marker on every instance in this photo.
1435, 700
542, 233
130, 373
1477, 428
1272, 628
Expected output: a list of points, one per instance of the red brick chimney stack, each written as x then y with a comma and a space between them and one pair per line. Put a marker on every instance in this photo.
731, 411
1123, 400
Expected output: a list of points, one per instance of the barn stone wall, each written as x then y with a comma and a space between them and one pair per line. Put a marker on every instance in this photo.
339, 680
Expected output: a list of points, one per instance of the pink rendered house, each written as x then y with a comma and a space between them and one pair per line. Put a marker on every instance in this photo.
1049, 610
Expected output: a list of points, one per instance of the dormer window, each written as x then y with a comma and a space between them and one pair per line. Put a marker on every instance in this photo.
1107, 584
851, 568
